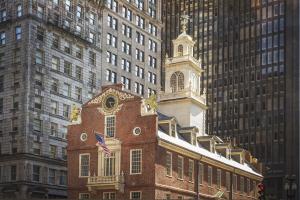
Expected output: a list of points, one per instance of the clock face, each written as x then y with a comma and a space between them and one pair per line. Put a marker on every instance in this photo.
110, 102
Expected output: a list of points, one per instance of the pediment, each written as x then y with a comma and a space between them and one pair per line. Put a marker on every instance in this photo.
122, 96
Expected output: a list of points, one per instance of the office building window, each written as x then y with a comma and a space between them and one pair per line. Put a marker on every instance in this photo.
13, 172
140, 22
113, 5
78, 52
139, 55
126, 82
37, 125
67, 90
51, 179
40, 11
63, 178
54, 107
111, 58
38, 102
126, 30
127, 13
152, 61
3, 15
126, 48
39, 57
139, 88
78, 72
92, 18
111, 76
66, 110
55, 63
152, 29
68, 68
54, 129
53, 151
140, 38
126, 65
112, 22
68, 5
136, 161
152, 46
92, 58
2, 38
112, 40
36, 170
55, 41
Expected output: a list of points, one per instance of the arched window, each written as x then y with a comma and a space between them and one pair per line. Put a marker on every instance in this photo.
177, 81
173, 82
180, 50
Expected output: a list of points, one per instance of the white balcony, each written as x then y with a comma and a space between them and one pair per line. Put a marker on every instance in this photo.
115, 182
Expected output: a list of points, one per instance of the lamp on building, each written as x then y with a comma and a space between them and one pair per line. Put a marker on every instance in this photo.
290, 186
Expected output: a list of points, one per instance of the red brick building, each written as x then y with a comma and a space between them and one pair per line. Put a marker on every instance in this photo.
152, 156
156, 155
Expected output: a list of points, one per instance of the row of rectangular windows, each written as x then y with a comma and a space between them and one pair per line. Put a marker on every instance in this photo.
36, 174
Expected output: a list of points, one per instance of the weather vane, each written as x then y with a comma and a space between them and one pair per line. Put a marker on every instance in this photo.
185, 20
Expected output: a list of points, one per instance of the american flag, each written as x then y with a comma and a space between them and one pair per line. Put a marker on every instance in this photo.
101, 142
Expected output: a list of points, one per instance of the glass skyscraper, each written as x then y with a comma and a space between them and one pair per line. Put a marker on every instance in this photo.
250, 52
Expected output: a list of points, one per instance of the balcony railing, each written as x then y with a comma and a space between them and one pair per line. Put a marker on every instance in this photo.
106, 182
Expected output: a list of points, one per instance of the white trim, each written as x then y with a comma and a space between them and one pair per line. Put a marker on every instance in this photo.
83, 193
200, 172
182, 167
220, 178
210, 181
171, 164
82, 154
193, 168
109, 195
141, 162
105, 125
136, 191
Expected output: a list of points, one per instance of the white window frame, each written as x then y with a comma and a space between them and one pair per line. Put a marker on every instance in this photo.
182, 167
219, 178
141, 161
171, 166
105, 129
84, 154
80, 197
191, 177
136, 191
109, 194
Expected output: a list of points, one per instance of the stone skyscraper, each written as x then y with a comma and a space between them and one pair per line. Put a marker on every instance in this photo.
250, 53
51, 58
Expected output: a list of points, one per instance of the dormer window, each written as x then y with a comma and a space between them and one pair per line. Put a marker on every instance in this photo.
193, 138
173, 129
180, 50
177, 81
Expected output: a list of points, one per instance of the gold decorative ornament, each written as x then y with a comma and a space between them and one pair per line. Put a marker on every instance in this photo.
120, 95
74, 113
151, 102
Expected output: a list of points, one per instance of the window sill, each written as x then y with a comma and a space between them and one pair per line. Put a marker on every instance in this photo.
169, 176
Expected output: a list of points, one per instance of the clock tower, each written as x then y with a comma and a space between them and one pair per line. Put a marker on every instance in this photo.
182, 84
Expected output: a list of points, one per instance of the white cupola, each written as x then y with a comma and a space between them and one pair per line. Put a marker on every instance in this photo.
183, 97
